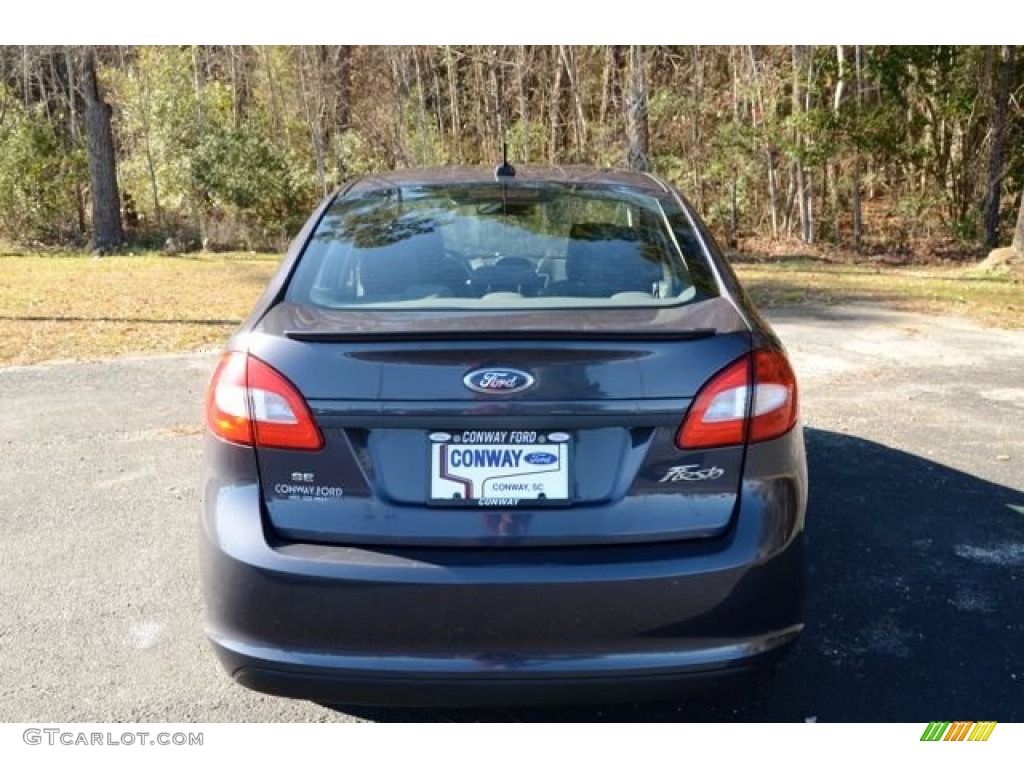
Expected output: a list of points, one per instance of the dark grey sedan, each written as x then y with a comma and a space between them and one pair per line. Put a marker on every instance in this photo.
502, 438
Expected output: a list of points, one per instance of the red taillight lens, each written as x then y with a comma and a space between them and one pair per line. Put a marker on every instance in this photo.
719, 415
775, 397
250, 403
227, 409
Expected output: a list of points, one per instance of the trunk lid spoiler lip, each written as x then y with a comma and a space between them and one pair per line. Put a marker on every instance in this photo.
488, 334
701, 320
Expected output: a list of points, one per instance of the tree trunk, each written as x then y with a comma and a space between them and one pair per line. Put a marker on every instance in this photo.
524, 103
197, 84
697, 140
773, 195
453, 101
481, 118
856, 202
69, 64
343, 70
833, 166
607, 75
311, 96
424, 153
26, 78
106, 205
579, 123
734, 218
495, 91
200, 219
803, 187
758, 108
996, 154
145, 111
790, 206
1018, 233
236, 90
554, 107
438, 121
638, 155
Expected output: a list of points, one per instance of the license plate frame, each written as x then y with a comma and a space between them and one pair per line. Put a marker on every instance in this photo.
500, 468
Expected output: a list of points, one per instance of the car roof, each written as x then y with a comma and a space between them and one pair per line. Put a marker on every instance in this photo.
468, 174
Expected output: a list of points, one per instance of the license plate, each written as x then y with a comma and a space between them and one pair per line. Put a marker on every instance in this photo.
500, 468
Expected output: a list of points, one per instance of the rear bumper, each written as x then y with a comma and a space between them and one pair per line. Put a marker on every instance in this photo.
552, 680
454, 627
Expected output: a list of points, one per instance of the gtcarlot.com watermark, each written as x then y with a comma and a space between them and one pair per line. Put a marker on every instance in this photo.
61, 737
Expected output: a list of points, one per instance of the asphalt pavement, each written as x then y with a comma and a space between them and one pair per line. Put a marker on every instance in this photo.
915, 433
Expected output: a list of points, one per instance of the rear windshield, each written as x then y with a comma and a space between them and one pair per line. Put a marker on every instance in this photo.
492, 246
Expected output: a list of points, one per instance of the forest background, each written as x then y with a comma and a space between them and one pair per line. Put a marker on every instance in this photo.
898, 153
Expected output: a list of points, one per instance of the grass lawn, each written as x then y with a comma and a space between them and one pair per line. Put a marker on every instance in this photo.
987, 298
75, 306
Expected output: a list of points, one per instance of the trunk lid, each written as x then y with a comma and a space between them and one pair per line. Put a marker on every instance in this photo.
390, 392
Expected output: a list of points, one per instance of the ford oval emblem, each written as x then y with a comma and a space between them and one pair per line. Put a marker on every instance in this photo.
498, 381
540, 458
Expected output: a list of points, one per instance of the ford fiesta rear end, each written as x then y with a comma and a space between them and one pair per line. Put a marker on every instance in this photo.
501, 441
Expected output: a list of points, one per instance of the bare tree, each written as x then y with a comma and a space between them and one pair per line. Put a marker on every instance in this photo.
995, 158
579, 123
1018, 233
637, 129
342, 63
608, 82
522, 66
106, 203
554, 107
801, 182
858, 220
69, 65
451, 64
758, 108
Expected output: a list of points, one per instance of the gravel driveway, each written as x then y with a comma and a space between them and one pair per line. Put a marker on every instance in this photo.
916, 529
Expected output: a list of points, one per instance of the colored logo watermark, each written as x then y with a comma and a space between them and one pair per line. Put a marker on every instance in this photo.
959, 730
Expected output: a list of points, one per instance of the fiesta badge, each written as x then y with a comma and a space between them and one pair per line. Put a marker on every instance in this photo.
498, 381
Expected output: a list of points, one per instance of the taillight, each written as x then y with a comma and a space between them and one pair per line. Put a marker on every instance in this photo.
775, 398
719, 415
250, 403
227, 408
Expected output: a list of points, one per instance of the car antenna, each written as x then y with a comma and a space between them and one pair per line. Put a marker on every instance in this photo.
505, 170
